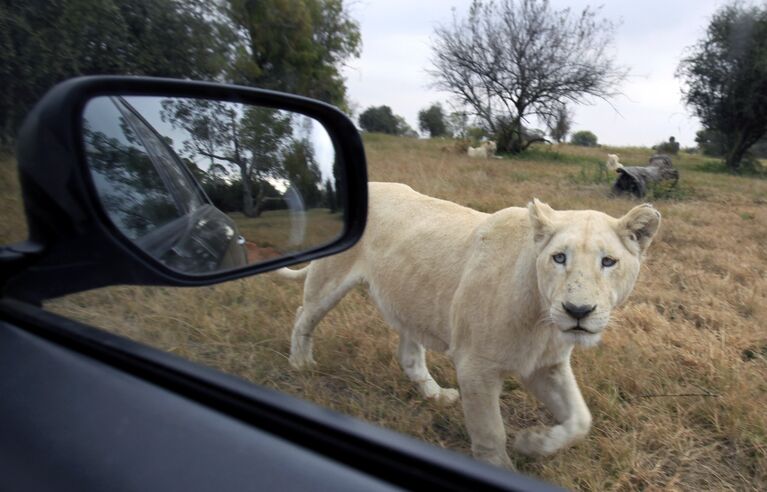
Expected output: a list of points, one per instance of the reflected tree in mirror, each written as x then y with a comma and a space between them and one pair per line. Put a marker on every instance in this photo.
268, 178
263, 161
247, 141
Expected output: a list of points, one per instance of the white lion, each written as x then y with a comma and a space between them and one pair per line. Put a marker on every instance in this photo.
504, 293
485, 150
612, 163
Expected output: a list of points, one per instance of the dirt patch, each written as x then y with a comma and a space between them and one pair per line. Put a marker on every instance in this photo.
258, 254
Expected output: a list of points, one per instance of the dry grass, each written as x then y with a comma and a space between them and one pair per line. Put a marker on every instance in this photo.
13, 225
678, 389
273, 229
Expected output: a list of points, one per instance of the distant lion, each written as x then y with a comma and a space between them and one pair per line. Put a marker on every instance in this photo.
612, 163
509, 293
485, 150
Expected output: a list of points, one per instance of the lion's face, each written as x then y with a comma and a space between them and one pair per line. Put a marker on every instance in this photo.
587, 264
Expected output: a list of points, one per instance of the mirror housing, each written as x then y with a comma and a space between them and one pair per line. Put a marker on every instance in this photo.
74, 246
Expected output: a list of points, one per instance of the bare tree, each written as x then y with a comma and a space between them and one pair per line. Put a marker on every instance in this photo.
559, 123
515, 59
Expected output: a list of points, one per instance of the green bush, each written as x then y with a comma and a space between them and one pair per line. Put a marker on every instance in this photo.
584, 138
381, 119
670, 147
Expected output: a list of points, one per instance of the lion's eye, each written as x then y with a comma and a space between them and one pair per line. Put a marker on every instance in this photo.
608, 262
560, 258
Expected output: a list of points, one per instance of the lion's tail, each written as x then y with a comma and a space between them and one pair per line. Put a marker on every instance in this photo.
293, 274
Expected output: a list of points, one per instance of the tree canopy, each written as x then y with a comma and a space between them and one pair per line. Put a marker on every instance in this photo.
42, 43
725, 75
559, 123
431, 120
258, 144
584, 138
295, 46
516, 59
382, 119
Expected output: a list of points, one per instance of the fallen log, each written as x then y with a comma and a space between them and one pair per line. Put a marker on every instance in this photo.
635, 180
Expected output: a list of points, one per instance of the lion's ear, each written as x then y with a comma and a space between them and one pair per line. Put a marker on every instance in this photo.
542, 220
638, 227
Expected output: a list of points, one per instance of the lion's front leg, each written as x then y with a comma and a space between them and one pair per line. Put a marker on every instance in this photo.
480, 396
556, 387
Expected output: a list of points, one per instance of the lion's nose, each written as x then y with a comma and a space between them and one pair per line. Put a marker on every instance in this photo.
578, 312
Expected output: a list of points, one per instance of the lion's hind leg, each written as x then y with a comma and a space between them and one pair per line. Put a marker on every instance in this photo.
412, 357
326, 284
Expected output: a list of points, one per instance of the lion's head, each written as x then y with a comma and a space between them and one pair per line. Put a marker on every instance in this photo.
587, 264
613, 163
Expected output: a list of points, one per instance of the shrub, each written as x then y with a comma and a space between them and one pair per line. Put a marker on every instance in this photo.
670, 147
432, 121
584, 138
382, 119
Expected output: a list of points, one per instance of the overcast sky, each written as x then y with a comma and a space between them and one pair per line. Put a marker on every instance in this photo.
650, 39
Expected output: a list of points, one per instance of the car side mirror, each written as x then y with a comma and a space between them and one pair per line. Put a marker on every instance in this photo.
206, 186
135, 180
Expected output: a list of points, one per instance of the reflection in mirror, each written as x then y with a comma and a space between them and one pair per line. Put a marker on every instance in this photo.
205, 185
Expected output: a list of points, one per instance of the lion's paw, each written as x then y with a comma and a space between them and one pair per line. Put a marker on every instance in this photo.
302, 362
538, 441
446, 396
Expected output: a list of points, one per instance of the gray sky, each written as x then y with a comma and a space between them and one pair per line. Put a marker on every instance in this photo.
650, 39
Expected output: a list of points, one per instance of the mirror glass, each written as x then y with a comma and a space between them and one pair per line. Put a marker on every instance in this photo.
205, 185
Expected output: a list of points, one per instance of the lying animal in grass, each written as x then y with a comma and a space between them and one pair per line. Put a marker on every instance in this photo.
485, 150
509, 293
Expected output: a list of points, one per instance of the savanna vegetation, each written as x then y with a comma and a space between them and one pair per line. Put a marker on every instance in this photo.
677, 388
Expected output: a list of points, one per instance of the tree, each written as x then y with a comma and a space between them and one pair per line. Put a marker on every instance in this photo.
725, 77
382, 119
252, 141
710, 142
404, 129
303, 172
559, 123
330, 196
431, 120
42, 43
516, 59
584, 138
459, 123
295, 46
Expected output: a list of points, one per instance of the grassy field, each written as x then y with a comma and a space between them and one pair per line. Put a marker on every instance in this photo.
274, 231
678, 388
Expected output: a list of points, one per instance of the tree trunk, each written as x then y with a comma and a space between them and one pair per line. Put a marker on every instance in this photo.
517, 136
510, 137
735, 153
259, 202
248, 207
